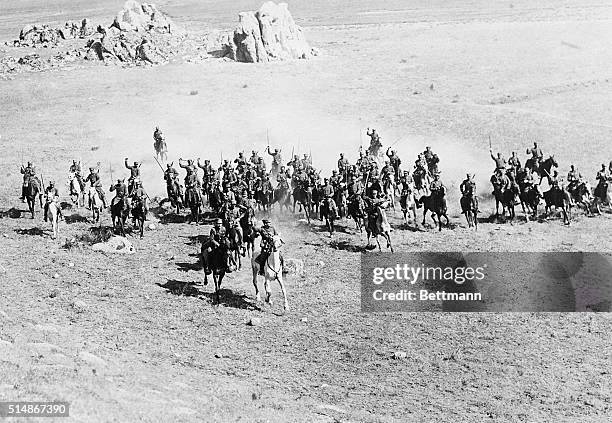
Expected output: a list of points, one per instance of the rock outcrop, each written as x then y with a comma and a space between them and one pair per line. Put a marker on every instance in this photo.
144, 17
270, 34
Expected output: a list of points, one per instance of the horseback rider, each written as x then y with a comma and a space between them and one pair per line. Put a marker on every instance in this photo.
395, 162
260, 167
209, 173
134, 174
468, 186
306, 162
190, 168
216, 238
500, 181
76, 169
500, 162
28, 172
171, 178
254, 157
277, 159
232, 217
241, 162
573, 178
335, 179
52, 196
94, 179
437, 187
343, 165
514, 162
281, 178
431, 159
139, 196
536, 155
267, 233
158, 135
375, 143
603, 175
120, 193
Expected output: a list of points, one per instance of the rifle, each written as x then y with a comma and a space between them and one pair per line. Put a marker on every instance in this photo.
110, 168
490, 148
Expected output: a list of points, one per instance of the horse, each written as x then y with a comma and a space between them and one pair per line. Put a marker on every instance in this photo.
217, 262
377, 224
469, 207
356, 210
174, 195
248, 230
506, 197
33, 189
421, 180
139, 215
436, 204
302, 195
264, 197
559, 197
53, 212
329, 210
602, 194
340, 198
161, 150
193, 199
120, 210
530, 197
215, 200
388, 188
236, 245
282, 196
77, 193
408, 202
581, 195
94, 202
273, 270
542, 169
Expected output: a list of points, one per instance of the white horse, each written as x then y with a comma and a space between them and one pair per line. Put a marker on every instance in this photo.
76, 195
95, 203
53, 214
273, 270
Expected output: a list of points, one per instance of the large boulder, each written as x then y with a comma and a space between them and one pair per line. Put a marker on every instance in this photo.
143, 17
268, 34
115, 244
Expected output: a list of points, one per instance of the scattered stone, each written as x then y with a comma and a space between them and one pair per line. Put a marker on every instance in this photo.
116, 244
294, 266
254, 321
321, 263
270, 34
151, 226
79, 306
54, 293
55, 276
70, 264
2, 270
304, 319
399, 355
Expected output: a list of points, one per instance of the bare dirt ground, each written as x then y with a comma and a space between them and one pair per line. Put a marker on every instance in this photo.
111, 335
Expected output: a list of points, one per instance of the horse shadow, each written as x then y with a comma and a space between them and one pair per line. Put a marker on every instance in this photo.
169, 218
75, 218
346, 246
229, 298
12, 213
35, 231
186, 267
180, 288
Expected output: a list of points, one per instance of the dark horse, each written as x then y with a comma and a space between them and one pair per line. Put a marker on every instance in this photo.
542, 169
530, 197
282, 196
356, 210
469, 207
436, 204
264, 197
174, 195
559, 197
506, 196
138, 215
329, 210
120, 211
193, 198
33, 189
303, 196
248, 230
236, 245
216, 262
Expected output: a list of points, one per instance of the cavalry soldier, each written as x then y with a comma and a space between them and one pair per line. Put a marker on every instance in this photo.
387, 172
277, 160
295, 163
94, 179
120, 193
375, 143
227, 196
499, 181
555, 180
192, 172
241, 162
52, 196
514, 162
436, 186
229, 177
171, 178
500, 162
139, 195
603, 175
134, 174
158, 135
216, 238
431, 159
209, 173
28, 173
267, 233
420, 165
232, 217
395, 162
282, 179
75, 168
254, 159
355, 187
343, 165
335, 179
306, 162
536, 155
260, 167
573, 178
468, 186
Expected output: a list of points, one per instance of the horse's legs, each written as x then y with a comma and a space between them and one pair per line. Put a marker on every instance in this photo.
279, 278
378, 242
255, 271
268, 291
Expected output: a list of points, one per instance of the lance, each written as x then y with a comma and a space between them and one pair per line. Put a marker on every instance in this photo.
110, 169
160, 166
490, 147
